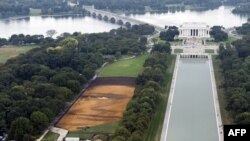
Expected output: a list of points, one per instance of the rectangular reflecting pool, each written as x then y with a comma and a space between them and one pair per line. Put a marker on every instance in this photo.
192, 116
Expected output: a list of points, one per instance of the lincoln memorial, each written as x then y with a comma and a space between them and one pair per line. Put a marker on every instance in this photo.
194, 33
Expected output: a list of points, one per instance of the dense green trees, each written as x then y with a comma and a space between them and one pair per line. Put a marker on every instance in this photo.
218, 34
244, 29
39, 121
236, 70
140, 110
20, 129
37, 85
139, 5
10, 8
242, 8
169, 35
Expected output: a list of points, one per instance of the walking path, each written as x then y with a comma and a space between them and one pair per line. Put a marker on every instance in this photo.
44, 133
62, 133
216, 100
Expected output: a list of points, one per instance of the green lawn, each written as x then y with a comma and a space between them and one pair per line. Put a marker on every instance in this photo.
9, 52
87, 133
50, 136
209, 51
155, 128
125, 67
225, 115
178, 50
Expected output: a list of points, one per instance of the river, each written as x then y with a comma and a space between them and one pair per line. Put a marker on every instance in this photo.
222, 16
39, 24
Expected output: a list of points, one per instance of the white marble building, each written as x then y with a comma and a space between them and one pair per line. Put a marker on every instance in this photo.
194, 32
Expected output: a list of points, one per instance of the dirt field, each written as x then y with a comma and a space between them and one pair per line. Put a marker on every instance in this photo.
98, 105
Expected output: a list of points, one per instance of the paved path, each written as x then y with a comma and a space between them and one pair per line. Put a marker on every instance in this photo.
43, 135
216, 100
62, 133
196, 49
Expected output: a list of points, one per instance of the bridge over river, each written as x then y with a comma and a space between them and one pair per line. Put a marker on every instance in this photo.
119, 19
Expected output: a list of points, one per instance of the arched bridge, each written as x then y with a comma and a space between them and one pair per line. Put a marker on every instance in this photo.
116, 19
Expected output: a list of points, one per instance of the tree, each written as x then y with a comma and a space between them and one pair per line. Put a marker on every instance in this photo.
243, 118
74, 85
169, 35
3, 42
217, 33
143, 40
123, 132
70, 43
20, 128
162, 48
51, 32
128, 25
39, 121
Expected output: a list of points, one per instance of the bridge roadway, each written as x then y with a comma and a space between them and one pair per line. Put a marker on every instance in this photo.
117, 17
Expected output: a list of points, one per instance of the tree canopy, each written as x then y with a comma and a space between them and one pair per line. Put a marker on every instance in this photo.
36, 85
235, 64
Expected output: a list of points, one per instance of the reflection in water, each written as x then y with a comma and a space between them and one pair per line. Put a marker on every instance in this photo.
40, 24
220, 16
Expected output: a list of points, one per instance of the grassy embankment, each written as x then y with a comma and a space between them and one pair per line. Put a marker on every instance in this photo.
154, 131
178, 50
87, 133
209, 51
50, 136
9, 52
225, 115
124, 67
229, 40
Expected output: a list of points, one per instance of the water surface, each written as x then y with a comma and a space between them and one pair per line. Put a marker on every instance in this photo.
193, 114
220, 16
40, 25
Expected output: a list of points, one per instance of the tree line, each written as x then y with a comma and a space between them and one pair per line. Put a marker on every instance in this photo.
35, 86
235, 65
140, 110
10, 8
139, 5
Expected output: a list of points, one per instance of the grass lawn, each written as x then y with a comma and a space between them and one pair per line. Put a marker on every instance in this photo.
225, 115
50, 136
89, 132
34, 11
229, 40
128, 67
155, 127
209, 51
176, 42
9, 52
178, 50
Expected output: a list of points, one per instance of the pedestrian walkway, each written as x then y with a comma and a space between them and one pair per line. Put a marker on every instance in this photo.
62, 133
